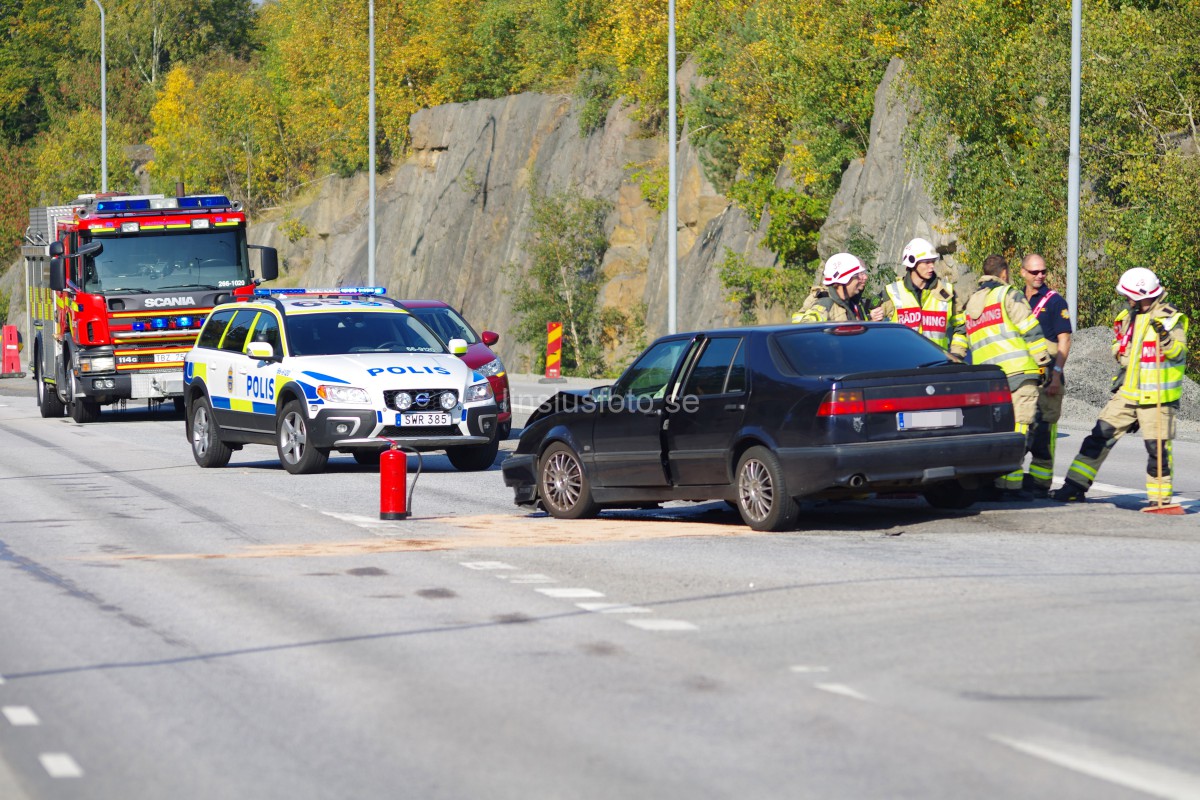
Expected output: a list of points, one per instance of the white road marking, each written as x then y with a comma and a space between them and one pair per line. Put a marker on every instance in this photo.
1, 680
661, 624
532, 578
569, 594
20, 715
60, 765
808, 668
613, 608
843, 690
486, 565
360, 520
1133, 773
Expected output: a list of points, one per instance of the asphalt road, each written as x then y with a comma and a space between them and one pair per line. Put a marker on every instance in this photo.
167, 631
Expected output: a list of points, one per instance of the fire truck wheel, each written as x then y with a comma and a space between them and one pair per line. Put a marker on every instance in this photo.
82, 409
47, 396
207, 447
291, 438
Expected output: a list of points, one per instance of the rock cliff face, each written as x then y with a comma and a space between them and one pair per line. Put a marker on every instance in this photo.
457, 210
881, 194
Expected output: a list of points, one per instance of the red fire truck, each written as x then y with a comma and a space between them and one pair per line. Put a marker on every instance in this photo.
118, 288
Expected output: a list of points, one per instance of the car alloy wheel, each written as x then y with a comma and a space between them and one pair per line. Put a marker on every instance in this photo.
298, 456
207, 447
562, 484
763, 498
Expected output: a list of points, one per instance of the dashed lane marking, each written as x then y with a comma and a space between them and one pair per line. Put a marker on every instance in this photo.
843, 690
570, 594
531, 579
614, 608
485, 565
60, 765
20, 715
808, 669
661, 624
1133, 773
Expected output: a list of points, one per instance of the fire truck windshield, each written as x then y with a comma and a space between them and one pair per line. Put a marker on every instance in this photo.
155, 262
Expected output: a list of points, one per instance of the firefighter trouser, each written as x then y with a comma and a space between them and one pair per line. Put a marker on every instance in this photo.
1025, 406
1043, 437
1117, 419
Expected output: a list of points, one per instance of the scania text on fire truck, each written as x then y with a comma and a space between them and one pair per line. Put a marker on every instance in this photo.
118, 289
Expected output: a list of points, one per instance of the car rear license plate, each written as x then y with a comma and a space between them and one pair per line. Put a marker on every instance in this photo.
916, 420
423, 419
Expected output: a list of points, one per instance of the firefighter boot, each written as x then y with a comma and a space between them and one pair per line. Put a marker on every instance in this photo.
1069, 492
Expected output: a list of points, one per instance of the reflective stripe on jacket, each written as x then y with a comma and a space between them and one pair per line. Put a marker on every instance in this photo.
1146, 376
993, 337
937, 319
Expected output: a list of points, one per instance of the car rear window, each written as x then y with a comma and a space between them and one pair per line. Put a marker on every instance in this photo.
847, 349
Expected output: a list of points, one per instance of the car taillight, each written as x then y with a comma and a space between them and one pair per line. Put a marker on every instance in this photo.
848, 330
839, 402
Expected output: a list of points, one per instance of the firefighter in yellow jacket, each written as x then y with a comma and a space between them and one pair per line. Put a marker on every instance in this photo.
1002, 330
840, 297
1150, 345
924, 302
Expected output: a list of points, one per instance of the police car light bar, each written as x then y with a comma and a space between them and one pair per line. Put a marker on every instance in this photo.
345, 290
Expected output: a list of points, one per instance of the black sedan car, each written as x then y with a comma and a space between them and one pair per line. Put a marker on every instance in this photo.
761, 417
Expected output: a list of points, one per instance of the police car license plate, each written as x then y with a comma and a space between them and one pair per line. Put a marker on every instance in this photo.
916, 420
423, 419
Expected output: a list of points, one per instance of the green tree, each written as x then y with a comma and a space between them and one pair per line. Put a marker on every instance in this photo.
566, 245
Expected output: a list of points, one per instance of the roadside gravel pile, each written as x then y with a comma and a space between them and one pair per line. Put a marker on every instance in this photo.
1089, 372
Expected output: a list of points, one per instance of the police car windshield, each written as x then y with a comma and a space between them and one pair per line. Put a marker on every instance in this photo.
342, 333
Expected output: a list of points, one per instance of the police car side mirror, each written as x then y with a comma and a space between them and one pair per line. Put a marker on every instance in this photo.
458, 346
260, 351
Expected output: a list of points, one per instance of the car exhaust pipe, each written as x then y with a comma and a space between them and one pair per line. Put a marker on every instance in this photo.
857, 481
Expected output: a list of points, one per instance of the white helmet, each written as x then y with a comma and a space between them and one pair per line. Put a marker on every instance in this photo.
841, 268
1139, 283
918, 250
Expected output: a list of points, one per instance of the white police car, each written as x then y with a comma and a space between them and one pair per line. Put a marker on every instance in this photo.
313, 371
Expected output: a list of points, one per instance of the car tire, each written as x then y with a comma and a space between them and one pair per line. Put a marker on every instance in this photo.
763, 499
504, 431
951, 496
207, 447
563, 486
83, 410
49, 403
368, 458
474, 458
291, 440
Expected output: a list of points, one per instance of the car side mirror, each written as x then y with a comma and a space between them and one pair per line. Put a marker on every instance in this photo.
58, 274
457, 346
490, 337
600, 393
260, 351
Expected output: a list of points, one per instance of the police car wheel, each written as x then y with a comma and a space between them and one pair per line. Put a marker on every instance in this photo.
562, 486
368, 458
475, 458
296, 454
207, 447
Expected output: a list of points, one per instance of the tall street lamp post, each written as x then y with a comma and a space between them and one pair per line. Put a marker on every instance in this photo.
1073, 171
672, 199
371, 149
103, 106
